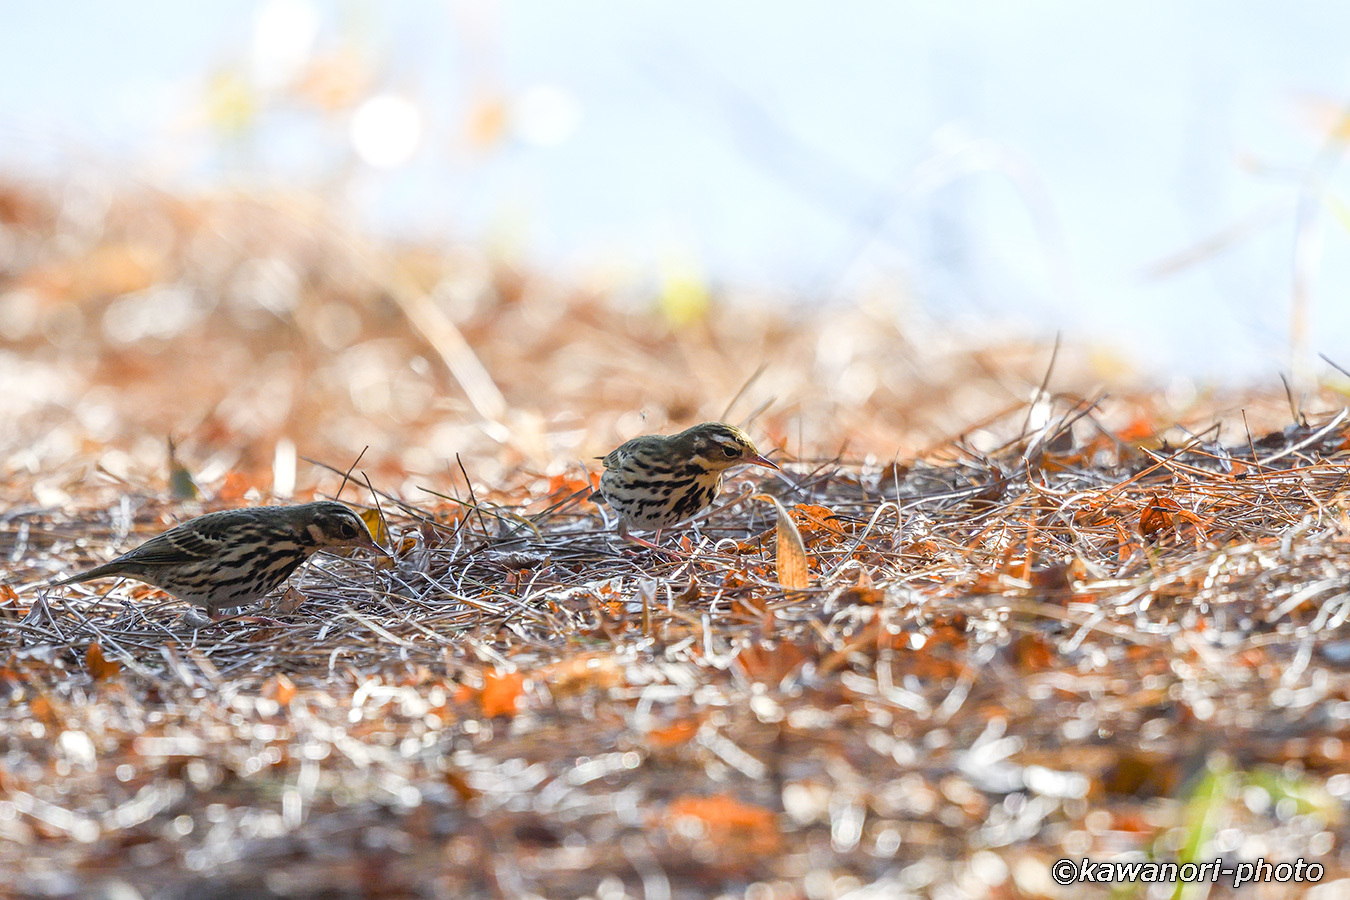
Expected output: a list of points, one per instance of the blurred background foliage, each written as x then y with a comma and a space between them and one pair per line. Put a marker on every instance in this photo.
1160, 179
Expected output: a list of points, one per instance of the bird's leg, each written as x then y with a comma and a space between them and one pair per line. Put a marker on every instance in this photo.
627, 535
654, 545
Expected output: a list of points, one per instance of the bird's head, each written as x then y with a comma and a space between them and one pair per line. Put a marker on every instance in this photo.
328, 525
717, 446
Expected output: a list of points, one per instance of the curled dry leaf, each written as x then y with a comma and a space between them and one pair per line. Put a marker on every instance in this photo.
793, 571
518, 559
375, 522
689, 595
10, 608
1157, 516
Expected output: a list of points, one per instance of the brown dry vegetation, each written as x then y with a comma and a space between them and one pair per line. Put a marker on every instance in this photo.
1038, 623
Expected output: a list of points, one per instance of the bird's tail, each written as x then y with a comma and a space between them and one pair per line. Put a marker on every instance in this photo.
96, 572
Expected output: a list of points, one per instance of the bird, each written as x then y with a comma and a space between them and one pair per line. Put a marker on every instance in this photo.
655, 481
235, 556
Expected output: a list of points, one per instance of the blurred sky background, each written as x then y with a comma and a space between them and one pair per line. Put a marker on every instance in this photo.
1160, 177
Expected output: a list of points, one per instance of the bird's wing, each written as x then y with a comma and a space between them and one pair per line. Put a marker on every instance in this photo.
615, 457
199, 539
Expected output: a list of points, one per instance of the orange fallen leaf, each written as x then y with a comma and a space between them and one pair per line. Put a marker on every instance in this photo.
501, 693
100, 667
43, 710
728, 824
1157, 516
811, 518
279, 688
770, 665
674, 734
1141, 429
1127, 545
564, 484
234, 489
1033, 652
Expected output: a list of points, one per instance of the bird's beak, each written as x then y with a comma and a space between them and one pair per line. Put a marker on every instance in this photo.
761, 461
366, 542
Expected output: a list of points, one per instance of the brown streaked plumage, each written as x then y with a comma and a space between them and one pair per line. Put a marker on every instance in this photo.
655, 481
235, 556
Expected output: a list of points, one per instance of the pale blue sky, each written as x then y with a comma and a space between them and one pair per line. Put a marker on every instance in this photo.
1024, 162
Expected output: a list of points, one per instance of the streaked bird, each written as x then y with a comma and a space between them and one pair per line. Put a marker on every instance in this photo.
235, 556
655, 481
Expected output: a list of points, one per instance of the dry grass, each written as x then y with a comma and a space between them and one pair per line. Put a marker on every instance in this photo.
1050, 635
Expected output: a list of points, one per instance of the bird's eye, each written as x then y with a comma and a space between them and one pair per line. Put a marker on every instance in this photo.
730, 452
346, 530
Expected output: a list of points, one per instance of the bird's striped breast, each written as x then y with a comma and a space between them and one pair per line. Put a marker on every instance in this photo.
652, 492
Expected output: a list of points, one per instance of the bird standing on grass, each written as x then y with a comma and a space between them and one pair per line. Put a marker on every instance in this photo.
236, 556
655, 481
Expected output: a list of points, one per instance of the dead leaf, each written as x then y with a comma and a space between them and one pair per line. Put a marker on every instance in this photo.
456, 781
815, 519
589, 671
1157, 516
289, 602
687, 596
10, 608
737, 829
234, 489
793, 571
679, 732
864, 593
280, 688
1031, 652
100, 667
770, 665
43, 710
501, 693
375, 522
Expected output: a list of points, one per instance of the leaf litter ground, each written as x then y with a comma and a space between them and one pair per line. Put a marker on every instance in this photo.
1052, 636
